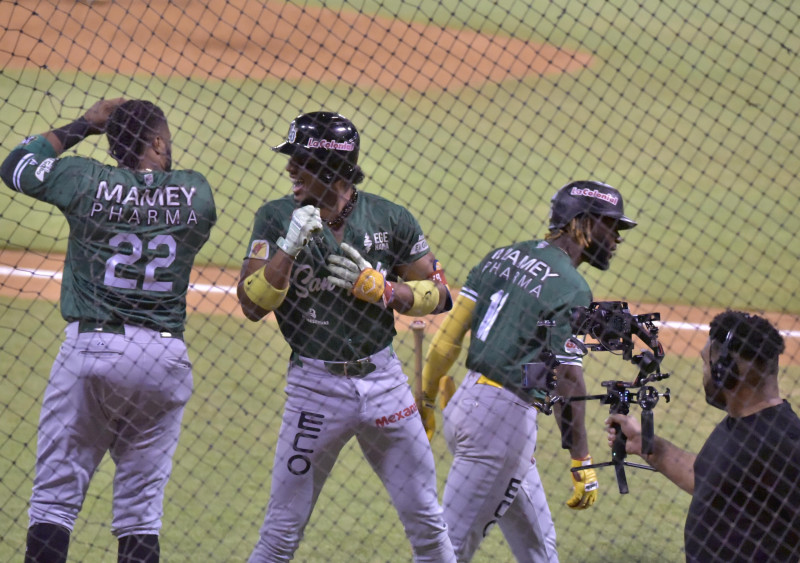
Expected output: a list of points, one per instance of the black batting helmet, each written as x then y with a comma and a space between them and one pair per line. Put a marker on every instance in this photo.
329, 139
587, 197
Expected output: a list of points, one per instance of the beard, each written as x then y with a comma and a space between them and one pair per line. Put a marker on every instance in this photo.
598, 256
714, 395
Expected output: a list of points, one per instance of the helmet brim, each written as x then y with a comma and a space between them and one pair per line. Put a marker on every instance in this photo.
286, 148
624, 223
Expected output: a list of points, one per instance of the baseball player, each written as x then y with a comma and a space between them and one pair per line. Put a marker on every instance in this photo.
329, 260
516, 302
122, 376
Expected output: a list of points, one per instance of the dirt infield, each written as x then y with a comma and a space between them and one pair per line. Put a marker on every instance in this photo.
241, 39
253, 39
32, 276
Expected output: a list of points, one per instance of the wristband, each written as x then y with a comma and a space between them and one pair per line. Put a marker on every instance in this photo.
263, 293
72, 133
426, 298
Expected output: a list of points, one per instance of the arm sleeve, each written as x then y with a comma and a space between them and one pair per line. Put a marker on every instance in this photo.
446, 345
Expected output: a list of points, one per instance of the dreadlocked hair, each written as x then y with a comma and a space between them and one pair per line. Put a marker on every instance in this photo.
131, 126
752, 337
579, 228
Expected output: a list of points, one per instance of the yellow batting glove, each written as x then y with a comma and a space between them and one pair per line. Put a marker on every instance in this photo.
355, 274
369, 285
428, 418
584, 485
447, 388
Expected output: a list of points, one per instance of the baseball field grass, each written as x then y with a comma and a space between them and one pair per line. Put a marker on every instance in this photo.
688, 108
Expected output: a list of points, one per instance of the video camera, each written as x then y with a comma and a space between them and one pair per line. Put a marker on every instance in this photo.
612, 326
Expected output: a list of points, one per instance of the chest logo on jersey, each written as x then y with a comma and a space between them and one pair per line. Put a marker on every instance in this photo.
310, 316
378, 241
306, 283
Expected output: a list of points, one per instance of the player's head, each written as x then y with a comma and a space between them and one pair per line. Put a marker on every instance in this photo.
135, 127
592, 214
742, 350
326, 144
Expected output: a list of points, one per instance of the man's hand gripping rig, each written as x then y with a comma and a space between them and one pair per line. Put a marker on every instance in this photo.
612, 325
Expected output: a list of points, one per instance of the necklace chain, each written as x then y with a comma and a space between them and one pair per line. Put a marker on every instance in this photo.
337, 221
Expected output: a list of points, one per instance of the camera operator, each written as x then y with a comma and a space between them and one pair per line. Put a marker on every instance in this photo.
517, 303
745, 482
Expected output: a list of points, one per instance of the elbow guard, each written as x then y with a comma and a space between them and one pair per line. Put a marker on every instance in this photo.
426, 298
261, 292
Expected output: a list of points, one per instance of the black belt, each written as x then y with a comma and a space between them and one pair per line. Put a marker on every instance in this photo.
357, 368
119, 328
354, 368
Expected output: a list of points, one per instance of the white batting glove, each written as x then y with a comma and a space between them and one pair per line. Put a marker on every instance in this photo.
305, 221
355, 274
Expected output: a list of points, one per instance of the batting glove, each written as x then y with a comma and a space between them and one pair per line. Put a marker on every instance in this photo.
356, 275
426, 411
305, 221
584, 486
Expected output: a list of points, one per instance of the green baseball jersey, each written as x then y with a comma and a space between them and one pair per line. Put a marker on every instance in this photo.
133, 235
514, 288
318, 319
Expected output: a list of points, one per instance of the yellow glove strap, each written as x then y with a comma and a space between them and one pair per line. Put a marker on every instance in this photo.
261, 292
426, 297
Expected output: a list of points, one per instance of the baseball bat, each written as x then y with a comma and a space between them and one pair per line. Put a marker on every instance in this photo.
418, 328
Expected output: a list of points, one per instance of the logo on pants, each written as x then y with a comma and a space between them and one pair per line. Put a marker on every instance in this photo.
508, 498
309, 426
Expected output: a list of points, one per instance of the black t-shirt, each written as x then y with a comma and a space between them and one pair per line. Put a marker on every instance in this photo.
746, 501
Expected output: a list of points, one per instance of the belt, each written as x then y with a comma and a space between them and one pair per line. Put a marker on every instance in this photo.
354, 368
518, 391
119, 328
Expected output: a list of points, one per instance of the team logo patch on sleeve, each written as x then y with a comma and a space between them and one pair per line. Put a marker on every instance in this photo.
571, 348
421, 246
259, 249
44, 168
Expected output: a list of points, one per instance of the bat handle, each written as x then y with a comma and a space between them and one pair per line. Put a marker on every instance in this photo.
418, 328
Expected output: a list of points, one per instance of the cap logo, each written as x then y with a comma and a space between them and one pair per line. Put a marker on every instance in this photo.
292, 132
586, 192
330, 145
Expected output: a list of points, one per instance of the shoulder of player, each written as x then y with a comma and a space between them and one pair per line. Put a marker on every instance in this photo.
379, 203
280, 205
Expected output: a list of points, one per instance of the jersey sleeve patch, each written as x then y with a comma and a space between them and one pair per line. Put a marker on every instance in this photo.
420, 246
44, 168
259, 249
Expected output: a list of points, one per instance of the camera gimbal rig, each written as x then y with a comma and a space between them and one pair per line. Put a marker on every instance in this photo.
612, 325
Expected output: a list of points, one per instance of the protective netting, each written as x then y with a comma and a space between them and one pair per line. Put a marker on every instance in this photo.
471, 115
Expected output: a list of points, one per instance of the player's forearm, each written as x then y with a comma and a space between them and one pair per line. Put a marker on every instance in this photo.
262, 286
571, 415
571, 420
674, 463
69, 135
417, 298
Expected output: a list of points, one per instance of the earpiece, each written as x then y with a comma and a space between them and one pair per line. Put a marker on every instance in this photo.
724, 371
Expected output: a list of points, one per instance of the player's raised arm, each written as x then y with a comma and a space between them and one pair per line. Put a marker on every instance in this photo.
263, 283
